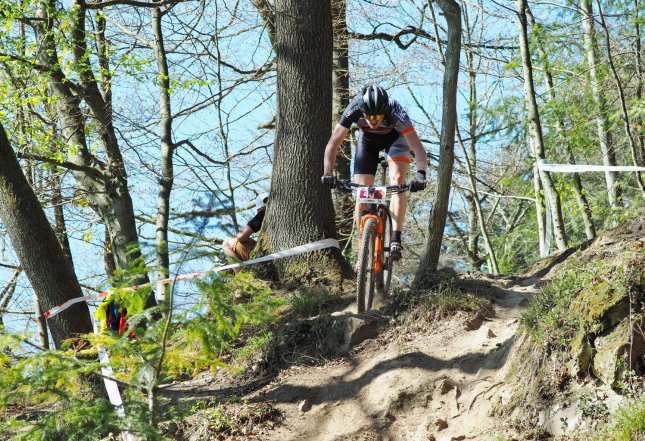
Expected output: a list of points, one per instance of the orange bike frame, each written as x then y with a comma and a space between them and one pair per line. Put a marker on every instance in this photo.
378, 245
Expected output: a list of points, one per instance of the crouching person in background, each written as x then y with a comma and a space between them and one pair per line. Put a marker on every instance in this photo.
240, 246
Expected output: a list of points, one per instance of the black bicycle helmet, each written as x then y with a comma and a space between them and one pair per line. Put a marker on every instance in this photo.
374, 100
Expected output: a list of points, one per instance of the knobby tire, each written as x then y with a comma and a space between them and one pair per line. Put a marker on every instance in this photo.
365, 270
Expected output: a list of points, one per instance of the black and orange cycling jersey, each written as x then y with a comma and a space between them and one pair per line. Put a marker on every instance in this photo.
396, 118
387, 136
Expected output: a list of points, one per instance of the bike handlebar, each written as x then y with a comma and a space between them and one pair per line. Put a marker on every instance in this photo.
349, 186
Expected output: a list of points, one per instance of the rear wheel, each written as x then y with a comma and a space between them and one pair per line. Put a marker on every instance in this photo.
384, 278
365, 268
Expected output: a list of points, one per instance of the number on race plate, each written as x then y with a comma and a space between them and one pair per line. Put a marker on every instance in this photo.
365, 196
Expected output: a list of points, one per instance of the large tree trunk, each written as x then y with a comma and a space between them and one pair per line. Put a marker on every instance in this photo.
340, 98
41, 256
301, 210
165, 135
430, 256
602, 119
535, 129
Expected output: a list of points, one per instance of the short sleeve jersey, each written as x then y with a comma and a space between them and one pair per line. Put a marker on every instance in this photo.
395, 118
256, 223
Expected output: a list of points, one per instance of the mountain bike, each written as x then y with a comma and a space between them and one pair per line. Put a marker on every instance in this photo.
374, 263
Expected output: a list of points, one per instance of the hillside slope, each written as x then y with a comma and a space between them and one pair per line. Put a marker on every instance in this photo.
448, 379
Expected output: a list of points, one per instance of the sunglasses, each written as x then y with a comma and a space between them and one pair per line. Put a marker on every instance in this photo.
374, 119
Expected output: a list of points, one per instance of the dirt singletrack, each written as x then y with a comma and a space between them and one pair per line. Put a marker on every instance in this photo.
410, 383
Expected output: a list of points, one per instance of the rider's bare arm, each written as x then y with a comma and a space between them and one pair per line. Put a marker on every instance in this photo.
331, 150
245, 234
420, 155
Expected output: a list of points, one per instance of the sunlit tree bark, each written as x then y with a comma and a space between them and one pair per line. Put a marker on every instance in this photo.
41, 256
432, 250
581, 199
602, 118
300, 207
535, 130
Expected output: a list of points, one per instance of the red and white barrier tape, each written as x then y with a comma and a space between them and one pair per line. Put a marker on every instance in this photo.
314, 246
110, 385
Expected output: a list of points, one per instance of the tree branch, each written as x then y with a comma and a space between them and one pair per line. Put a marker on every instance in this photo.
65, 164
416, 32
135, 3
199, 152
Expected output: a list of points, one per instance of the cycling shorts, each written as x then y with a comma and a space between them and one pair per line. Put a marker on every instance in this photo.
370, 145
243, 249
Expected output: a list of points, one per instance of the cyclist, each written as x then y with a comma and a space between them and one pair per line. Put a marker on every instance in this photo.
240, 246
383, 125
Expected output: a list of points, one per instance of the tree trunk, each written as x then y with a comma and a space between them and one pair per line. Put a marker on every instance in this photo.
165, 135
48, 269
602, 119
474, 203
104, 183
301, 209
535, 130
59, 216
473, 233
623, 103
343, 205
581, 199
540, 213
430, 256
639, 79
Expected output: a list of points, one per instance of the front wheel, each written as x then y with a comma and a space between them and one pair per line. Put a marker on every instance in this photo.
365, 267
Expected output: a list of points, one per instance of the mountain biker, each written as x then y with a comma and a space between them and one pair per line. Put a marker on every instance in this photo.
240, 246
383, 125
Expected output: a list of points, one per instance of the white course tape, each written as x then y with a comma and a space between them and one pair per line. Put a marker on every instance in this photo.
579, 168
111, 387
314, 246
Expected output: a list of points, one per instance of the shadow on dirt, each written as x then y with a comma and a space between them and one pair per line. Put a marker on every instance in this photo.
344, 389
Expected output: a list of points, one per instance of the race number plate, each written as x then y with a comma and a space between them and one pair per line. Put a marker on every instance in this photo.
365, 196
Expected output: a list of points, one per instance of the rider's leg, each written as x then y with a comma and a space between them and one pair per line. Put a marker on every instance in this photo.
398, 170
365, 166
363, 179
398, 156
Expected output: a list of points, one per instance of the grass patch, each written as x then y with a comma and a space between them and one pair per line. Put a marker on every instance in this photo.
308, 302
444, 300
447, 300
254, 348
208, 421
627, 424
575, 302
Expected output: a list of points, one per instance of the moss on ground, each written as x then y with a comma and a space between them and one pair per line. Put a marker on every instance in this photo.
581, 326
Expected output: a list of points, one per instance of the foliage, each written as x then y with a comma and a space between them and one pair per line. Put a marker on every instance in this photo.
63, 385
308, 302
626, 424
446, 300
254, 348
207, 420
555, 315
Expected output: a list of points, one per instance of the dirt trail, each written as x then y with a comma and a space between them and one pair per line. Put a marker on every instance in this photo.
406, 388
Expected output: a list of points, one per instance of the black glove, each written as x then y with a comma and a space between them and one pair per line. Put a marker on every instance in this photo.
419, 183
329, 181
